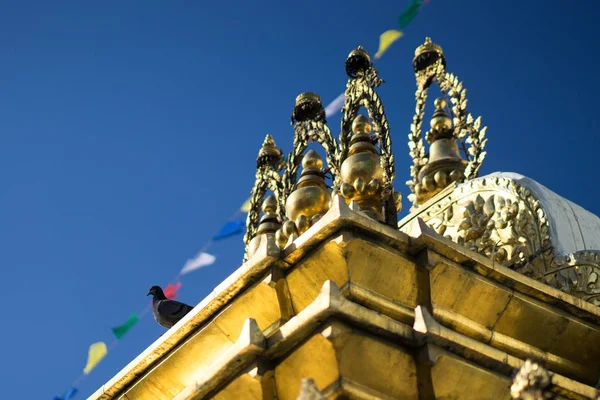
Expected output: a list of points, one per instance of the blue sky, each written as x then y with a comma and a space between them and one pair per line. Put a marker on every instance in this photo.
129, 130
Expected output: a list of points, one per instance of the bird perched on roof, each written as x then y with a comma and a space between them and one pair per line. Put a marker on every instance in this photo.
166, 312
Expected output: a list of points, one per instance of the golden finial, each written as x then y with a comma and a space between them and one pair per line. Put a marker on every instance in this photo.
361, 125
440, 121
312, 163
308, 108
427, 47
361, 171
307, 96
269, 205
310, 200
269, 147
360, 52
269, 154
445, 164
269, 223
428, 57
358, 62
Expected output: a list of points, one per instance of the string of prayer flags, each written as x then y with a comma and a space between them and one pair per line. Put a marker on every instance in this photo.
409, 13
171, 290
201, 259
96, 353
231, 228
237, 225
246, 206
121, 330
69, 394
336, 105
386, 39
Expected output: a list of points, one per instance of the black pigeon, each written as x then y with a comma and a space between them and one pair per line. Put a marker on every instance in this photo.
166, 312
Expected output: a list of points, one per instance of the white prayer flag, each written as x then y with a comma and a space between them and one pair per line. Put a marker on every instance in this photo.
201, 260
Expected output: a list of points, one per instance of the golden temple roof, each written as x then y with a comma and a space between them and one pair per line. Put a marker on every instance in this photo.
479, 292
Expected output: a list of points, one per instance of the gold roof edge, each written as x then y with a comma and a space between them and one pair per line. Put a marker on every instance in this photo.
207, 308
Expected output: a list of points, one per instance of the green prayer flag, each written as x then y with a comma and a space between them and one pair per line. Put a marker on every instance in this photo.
121, 330
410, 12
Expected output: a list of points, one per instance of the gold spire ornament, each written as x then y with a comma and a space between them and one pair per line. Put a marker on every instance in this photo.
268, 225
430, 66
361, 165
269, 163
445, 165
310, 125
362, 173
309, 201
363, 78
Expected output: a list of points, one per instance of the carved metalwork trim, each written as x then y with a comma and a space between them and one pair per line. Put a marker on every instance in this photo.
499, 218
502, 220
578, 274
304, 133
416, 144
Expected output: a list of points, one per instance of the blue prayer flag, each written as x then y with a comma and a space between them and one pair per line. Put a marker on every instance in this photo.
231, 228
69, 394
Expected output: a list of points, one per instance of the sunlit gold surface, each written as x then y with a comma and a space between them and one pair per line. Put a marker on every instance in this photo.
311, 197
337, 307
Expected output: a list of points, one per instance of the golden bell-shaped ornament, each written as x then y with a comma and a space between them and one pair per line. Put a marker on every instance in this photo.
445, 164
361, 171
311, 197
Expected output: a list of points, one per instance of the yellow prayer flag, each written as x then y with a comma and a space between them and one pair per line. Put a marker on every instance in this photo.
246, 206
386, 39
96, 353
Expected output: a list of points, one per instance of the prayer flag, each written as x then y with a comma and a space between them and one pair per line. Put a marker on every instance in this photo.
96, 353
409, 13
336, 105
201, 260
121, 330
386, 39
171, 290
69, 394
246, 206
231, 228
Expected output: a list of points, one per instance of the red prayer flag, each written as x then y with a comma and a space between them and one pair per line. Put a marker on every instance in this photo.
171, 290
